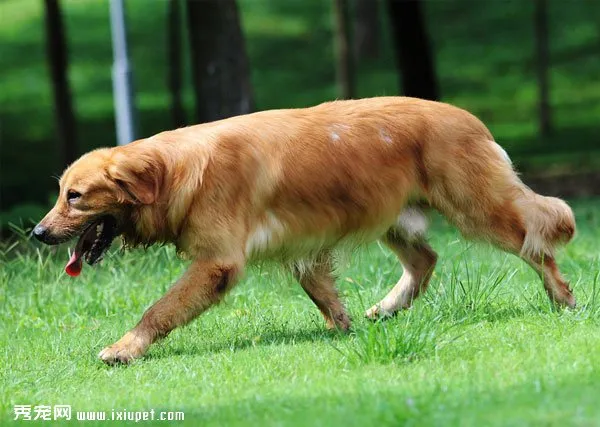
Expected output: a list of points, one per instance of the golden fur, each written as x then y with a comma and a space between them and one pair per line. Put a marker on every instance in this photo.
293, 184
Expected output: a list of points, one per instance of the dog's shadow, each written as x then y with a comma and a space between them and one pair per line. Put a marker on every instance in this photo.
285, 335
270, 337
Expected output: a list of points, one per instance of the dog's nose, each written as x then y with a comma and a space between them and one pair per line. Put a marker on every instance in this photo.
40, 232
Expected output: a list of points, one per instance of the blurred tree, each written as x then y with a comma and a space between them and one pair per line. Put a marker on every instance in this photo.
221, 72
366, 29
175, 68
413, 49
345, 63
542, 65
56, 51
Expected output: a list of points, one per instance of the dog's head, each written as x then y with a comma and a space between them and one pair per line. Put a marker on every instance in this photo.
98, 194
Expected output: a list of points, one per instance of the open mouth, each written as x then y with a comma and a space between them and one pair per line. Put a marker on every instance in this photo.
92, 244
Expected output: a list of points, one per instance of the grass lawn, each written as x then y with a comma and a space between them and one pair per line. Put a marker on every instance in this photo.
483, 347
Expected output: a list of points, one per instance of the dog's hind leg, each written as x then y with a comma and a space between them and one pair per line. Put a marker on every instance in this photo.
317, 279
508, 235
524, 232
488, 201
201, 286
557, 288
418, 260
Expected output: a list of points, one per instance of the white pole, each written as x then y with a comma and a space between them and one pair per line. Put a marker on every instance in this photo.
122, 76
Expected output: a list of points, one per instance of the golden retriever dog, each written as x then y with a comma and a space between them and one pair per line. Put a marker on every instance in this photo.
291, 185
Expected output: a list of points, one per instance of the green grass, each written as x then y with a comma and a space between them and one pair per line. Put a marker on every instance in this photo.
483, 51
482, 347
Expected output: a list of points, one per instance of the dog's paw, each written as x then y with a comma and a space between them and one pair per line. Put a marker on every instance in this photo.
114, 355
377, 312
341, 322
373, 312
124, 351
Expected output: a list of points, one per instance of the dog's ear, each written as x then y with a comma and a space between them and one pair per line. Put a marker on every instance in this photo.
139, 176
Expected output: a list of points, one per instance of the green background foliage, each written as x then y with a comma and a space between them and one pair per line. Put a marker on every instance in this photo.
483, 51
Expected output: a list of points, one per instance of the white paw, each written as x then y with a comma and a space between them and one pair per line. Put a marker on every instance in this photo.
378, 312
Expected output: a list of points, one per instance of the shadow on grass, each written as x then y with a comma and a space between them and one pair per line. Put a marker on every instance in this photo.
285, 335
243, 341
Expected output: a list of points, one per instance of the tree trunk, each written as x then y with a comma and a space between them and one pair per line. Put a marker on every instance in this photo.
221, 73
413, 49
58, 63
345, 63
366, 29
175, 68
542, 65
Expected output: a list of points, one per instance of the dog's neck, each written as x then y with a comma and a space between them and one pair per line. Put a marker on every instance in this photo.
164, 220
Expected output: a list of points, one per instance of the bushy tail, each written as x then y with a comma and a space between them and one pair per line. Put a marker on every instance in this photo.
549, 223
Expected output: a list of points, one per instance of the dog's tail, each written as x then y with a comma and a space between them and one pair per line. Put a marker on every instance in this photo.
549, 223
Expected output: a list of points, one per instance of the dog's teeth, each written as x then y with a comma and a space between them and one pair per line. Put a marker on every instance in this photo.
99, 228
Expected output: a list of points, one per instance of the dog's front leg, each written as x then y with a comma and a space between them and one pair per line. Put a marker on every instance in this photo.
202, 285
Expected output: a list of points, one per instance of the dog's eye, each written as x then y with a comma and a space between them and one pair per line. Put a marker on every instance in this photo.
73, 195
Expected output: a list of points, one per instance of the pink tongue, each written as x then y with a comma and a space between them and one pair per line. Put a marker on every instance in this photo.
74, 266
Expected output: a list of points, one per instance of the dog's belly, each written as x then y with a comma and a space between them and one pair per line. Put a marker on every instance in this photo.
272, 238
